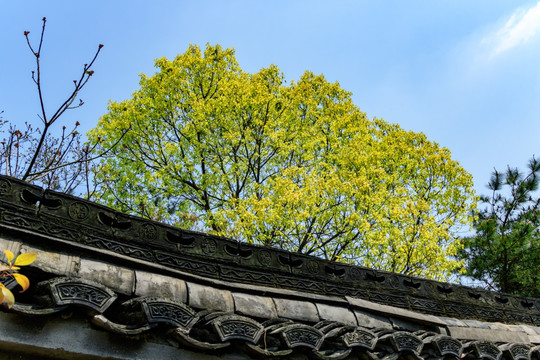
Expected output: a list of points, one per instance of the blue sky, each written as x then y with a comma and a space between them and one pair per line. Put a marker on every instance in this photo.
466, 73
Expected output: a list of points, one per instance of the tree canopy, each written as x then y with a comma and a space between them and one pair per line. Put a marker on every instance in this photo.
505, 251
294, 165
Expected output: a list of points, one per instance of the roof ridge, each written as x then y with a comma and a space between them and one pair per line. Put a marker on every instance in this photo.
84, 224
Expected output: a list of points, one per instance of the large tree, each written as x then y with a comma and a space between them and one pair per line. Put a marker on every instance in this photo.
505, 251
295, 165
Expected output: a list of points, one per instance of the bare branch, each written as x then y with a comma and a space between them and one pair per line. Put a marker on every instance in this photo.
66, 105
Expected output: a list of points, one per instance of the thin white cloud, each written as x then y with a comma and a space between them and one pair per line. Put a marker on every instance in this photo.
523, 26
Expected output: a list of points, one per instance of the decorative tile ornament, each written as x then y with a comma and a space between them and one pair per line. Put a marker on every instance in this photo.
447, 346
71, 291
405, 341
159, 310
296, 335
213, 331
360, 337
236, 327
486, 350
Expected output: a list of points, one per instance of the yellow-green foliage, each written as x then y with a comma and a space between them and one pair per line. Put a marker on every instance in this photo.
296, 166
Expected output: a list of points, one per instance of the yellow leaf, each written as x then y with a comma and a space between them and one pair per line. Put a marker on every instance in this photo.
9, 256
7, 296
25, 259
22, 280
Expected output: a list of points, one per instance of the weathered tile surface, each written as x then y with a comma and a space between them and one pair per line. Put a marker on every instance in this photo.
56, 263
368, 320
296, 310
392, 311
13, 246
115, 277
467, 333
336, 313
252, 305
209, 298
150, 284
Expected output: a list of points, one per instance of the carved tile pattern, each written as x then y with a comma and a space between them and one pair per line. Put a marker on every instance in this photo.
298, 335
78, 210
59, 231
120, 248
5, 187
406, 341
393, 281
490, 315
235, 327
521, 318
148, 231
520, 351
465, 311
16, 219
82, 294
486, 349
346, 291
229, 273
426, 305
190, 265
389, 299
355, 274
31, 223
265, 257
313, 267
448, 346
70, 292
360, 338
208, 246
168, 312
9, 282
298, 283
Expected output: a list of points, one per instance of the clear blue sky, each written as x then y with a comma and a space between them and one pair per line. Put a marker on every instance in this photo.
466, 73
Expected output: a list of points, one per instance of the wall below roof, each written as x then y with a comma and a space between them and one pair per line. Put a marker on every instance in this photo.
77, 330
75, 338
